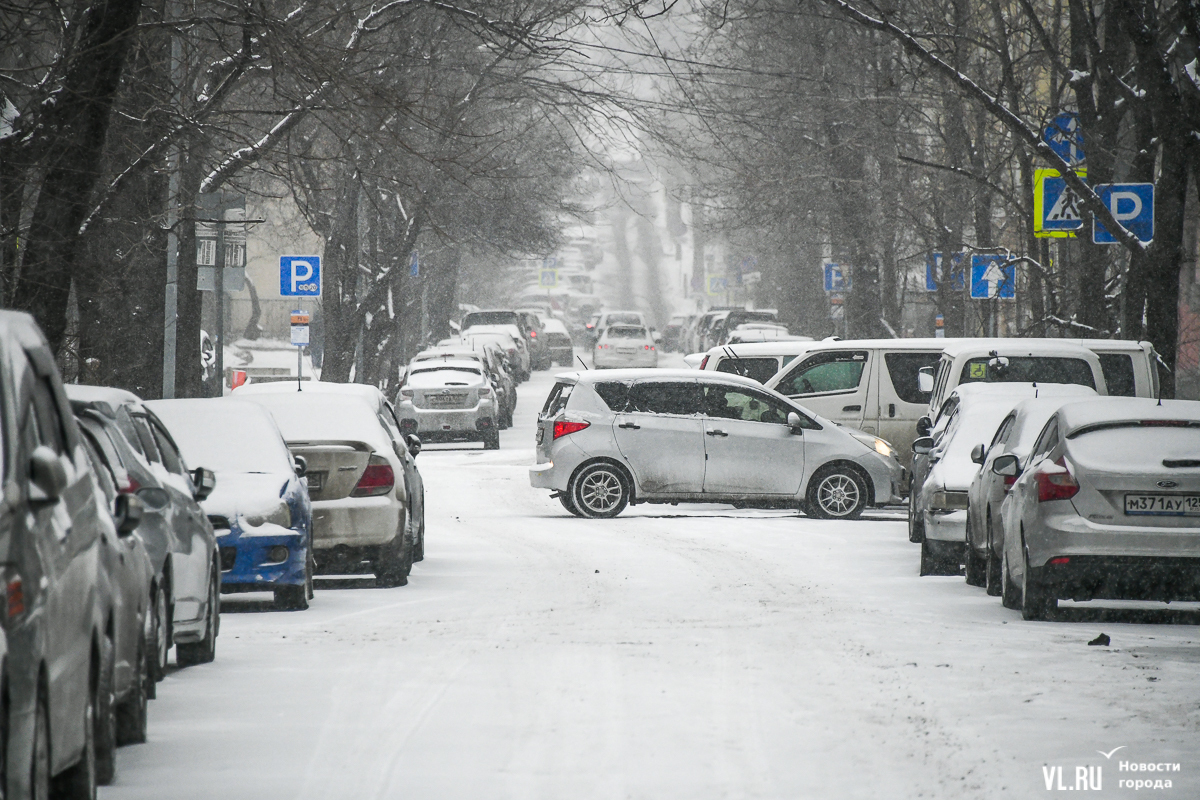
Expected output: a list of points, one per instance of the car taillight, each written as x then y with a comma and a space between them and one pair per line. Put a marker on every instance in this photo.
533, 334
407, 394
128, 485
14, 596
376, 479
648, 347
1009, 480
564, 427
485, 391
1055, 481
704, 362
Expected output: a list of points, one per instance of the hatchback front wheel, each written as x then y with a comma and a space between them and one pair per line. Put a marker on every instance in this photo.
837, 493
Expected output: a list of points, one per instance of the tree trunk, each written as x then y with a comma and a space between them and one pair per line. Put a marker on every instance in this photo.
77, 123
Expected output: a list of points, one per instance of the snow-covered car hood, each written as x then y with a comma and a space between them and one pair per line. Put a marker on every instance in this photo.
246, 494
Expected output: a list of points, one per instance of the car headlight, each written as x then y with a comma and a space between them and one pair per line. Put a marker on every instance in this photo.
281, 516
948, 501
881, 446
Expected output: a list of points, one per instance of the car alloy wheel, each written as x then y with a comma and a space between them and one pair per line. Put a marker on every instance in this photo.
599, 491
837, 493
162, 633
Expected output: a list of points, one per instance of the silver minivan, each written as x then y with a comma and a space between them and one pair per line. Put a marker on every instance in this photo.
606, 440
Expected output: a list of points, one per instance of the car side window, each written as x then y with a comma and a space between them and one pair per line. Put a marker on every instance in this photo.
100, 467
146, 439
1046, 440
730, 402
172, 460
45, 411
1003, 431
759, 369
665, 397
837, 371
902, 370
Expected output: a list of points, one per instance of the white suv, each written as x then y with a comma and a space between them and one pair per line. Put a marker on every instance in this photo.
668, 436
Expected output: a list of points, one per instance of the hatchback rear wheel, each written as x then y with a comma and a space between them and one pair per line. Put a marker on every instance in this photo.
599, 491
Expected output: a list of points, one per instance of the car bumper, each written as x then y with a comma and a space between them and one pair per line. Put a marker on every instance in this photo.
556, 473
1120, 577
946, 526
1068, 534
355, 521
466, 423
887, 477
623, 361
247, 564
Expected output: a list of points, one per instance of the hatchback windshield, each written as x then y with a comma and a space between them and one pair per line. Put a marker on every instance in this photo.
622, 332
489, 318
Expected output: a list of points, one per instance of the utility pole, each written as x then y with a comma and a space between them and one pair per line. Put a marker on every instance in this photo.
171, 304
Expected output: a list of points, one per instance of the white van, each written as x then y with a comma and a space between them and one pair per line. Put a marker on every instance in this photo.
757, 360
876, 384
1126, 368
869, 384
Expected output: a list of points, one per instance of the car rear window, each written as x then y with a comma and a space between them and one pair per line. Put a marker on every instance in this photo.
489, 318
622, 332
1118, 374
1026, 369
759, 369
903, 369
556, 401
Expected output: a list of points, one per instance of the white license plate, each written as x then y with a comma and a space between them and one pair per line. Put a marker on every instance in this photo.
445, 399
316, 480
1163, 505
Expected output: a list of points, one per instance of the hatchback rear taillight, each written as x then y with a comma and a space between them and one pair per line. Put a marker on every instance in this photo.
1055, 481
377, 479
564, 427
14, 596
704, 362
1009, 480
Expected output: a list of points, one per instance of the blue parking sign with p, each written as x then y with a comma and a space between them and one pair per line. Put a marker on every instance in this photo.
300, 276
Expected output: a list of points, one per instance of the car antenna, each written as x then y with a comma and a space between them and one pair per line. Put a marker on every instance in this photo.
585, 366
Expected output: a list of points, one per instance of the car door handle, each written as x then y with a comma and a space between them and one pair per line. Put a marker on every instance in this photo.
851, 408
633, 426
716, 433
891, 409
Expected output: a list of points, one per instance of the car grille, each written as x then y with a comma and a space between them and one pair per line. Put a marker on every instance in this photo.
228, 556
447, 400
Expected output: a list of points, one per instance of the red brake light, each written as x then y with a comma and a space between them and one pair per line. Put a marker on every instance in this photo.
1060, 560
128, 485
1009, 480
563, 427
14, 597
1055, 484
704, 362
533, 334
377, 479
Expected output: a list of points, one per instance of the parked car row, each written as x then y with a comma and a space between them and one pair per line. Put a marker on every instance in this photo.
123, 521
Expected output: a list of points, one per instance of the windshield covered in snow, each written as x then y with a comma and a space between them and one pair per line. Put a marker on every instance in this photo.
225, 436
1027, 369
489, 318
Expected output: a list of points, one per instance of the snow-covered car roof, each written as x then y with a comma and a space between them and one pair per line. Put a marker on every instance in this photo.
633, 374
317, 416
1015, 347
97, 396
982, 392
224, 434
553, 325
1102, 410
365, 391
1031, 417
460, 352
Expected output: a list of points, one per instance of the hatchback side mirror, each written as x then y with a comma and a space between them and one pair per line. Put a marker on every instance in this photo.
1007, 465
414, 444
978, 454
205, 481
924, 426
301, 466
925, 380
795, 423
127, 513
923, 446
47, 475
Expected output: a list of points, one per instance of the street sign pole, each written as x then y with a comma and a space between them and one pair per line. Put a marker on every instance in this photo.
219, 281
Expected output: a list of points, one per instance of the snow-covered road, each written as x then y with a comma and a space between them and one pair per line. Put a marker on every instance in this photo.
674, 652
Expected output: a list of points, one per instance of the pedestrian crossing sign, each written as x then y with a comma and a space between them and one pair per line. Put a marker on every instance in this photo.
1057, 209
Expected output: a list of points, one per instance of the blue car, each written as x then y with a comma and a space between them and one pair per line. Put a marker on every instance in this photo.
259, 509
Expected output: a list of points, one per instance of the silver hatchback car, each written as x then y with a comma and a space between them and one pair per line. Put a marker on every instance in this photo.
605, 440
1106, 506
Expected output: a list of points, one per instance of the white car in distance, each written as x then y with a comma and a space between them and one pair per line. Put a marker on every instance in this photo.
625, 346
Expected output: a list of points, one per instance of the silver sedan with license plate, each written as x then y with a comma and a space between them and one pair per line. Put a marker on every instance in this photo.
1106, 506
608, 440
449, 401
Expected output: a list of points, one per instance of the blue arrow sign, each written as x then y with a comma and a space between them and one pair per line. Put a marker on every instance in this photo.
837, 278
934, 269
1133, 206
992, 277
300, 276
1065, 137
